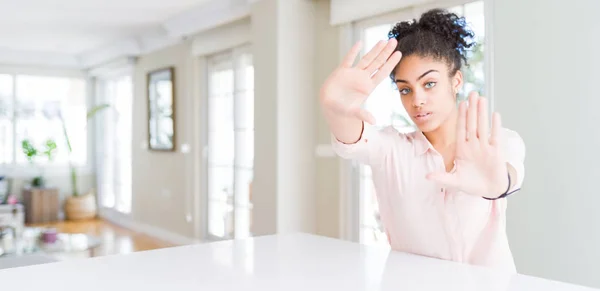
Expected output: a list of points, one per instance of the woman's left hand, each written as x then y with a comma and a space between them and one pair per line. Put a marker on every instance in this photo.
481, 169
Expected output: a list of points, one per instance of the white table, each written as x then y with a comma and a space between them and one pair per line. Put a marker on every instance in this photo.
281, 262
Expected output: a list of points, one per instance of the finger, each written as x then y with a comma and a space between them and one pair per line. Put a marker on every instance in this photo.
483, 120
444, 179
382, 57
472, 117
387, 68
348, 60
496, 127
461, 124
368, 58
365, 116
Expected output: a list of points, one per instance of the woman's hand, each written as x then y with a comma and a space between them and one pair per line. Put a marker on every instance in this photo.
347, 88
481, 168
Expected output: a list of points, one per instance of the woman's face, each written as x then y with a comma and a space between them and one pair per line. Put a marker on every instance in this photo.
427, 92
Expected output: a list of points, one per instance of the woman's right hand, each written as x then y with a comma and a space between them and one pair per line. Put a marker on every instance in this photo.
347, 88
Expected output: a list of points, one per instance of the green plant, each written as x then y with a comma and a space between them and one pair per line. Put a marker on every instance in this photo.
31, 152
50, 148
90, 114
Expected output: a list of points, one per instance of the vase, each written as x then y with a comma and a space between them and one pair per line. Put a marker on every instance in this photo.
81, 207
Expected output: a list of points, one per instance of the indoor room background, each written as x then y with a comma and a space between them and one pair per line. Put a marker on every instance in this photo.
241, 149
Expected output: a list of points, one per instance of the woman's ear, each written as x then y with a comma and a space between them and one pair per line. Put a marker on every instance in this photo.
457, 82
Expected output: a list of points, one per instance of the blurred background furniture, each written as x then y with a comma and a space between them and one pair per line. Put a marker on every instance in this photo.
35, 245
41, 204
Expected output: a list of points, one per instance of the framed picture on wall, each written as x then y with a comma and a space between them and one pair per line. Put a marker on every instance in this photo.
161, 109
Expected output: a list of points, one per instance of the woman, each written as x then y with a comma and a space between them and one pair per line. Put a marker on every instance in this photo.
441, 189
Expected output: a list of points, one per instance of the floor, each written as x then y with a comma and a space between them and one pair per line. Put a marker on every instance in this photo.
115, 239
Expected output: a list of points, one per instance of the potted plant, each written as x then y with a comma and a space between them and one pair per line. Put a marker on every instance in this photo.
79, 206
31, 152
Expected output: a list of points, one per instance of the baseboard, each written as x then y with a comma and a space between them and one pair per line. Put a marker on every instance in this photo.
126, 221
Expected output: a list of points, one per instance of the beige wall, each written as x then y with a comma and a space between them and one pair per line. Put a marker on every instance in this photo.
264, 49
288, 67
284, 58
162, 180
327, 168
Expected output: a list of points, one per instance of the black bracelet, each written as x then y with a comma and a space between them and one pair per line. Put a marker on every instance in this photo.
506, 193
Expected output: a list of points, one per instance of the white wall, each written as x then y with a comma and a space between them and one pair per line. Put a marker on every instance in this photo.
546, 76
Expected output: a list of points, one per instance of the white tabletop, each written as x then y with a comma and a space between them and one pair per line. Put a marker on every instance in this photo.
280, 262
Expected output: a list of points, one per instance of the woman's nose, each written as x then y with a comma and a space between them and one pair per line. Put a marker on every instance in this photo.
419, 99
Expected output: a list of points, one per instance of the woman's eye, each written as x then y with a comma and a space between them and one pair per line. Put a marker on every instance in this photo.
404, 91
430, 85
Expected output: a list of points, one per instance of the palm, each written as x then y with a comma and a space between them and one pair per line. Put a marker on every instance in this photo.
348, 86
480, 167
351, 87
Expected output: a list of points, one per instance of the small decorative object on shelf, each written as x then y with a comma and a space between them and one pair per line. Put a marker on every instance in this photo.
49, 235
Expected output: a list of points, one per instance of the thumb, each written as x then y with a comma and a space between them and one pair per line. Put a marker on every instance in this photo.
443, 178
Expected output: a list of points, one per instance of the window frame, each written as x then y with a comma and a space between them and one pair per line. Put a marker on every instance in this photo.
230, 55
99, 85
350, 171
23, 171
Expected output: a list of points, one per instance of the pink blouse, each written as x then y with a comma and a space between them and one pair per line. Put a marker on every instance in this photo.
420, 217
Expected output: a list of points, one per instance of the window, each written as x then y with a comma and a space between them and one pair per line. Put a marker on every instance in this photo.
230, 144
31, 107
115, 143
384, 103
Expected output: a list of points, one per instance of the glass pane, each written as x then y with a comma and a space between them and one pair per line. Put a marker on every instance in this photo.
41, 101
475, 15
244, 151
249, 78
231, 144
220, 219
221, 83
244, 73
123, 106
220, 184
243, 178
244, 110
6, 86
458, 10
6, 141
6, 113
106, 164
220, 112
474, 74
221, 148
37, 131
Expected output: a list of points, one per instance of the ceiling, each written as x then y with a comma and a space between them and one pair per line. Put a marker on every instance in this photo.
76, 27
